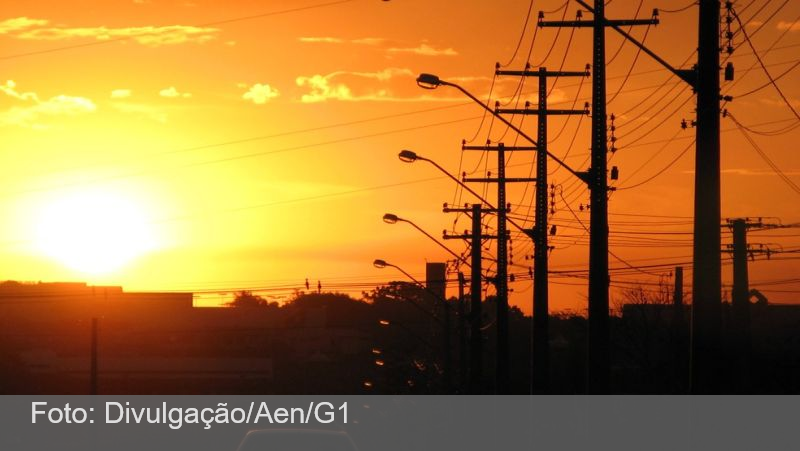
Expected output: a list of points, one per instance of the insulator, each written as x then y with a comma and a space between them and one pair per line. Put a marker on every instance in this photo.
729, 72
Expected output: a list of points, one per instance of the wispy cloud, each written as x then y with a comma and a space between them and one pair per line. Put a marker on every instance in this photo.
791, 26
37, 29
424, 50
326, 87
332, 40
259, 93
33, 108
327, 40
756, 172
19, 23
173, 93
396, 84
121, 93
387, 85
744, 172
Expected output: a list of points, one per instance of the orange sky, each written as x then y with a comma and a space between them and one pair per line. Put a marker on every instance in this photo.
254, 143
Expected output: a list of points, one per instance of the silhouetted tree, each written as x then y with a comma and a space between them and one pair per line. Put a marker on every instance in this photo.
646, 340
246, 299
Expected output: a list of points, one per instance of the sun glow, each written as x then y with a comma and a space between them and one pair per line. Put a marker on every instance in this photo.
94, 232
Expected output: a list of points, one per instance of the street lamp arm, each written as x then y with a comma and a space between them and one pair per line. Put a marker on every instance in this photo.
450, 251
455, 179
424, 287
515, 128
471, 191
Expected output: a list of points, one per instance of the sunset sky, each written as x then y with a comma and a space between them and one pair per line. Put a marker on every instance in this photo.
222, 145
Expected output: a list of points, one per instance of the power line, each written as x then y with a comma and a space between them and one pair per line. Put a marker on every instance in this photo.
766, 158
761, 63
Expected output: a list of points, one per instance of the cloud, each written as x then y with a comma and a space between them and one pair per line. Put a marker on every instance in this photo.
791, 26
121, 93
172, 93
152, 36
19, 23
34, 108
756, 172
260, 93
396, 85
391, 84
327, 40
424, 50
421, 49
332, 40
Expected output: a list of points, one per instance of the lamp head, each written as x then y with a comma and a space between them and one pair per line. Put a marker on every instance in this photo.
408, 156
384, 322
378, 263
428, 81
390, 218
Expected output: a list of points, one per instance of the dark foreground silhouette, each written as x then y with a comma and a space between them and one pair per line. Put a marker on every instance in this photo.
76, 339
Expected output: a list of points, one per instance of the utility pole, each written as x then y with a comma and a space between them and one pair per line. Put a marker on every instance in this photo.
503, 376
679, 344
476, 339
462, 333
707, 274
476, 285
599, 366
740, 302
740, 312
677, 298
540, 377
502, 361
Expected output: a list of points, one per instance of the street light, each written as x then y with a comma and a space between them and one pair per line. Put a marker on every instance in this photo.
594, 178
390, 218
378, 263
431, 81
408, 156
503, 357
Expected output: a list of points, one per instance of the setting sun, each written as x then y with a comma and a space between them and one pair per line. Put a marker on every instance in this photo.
93, 232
